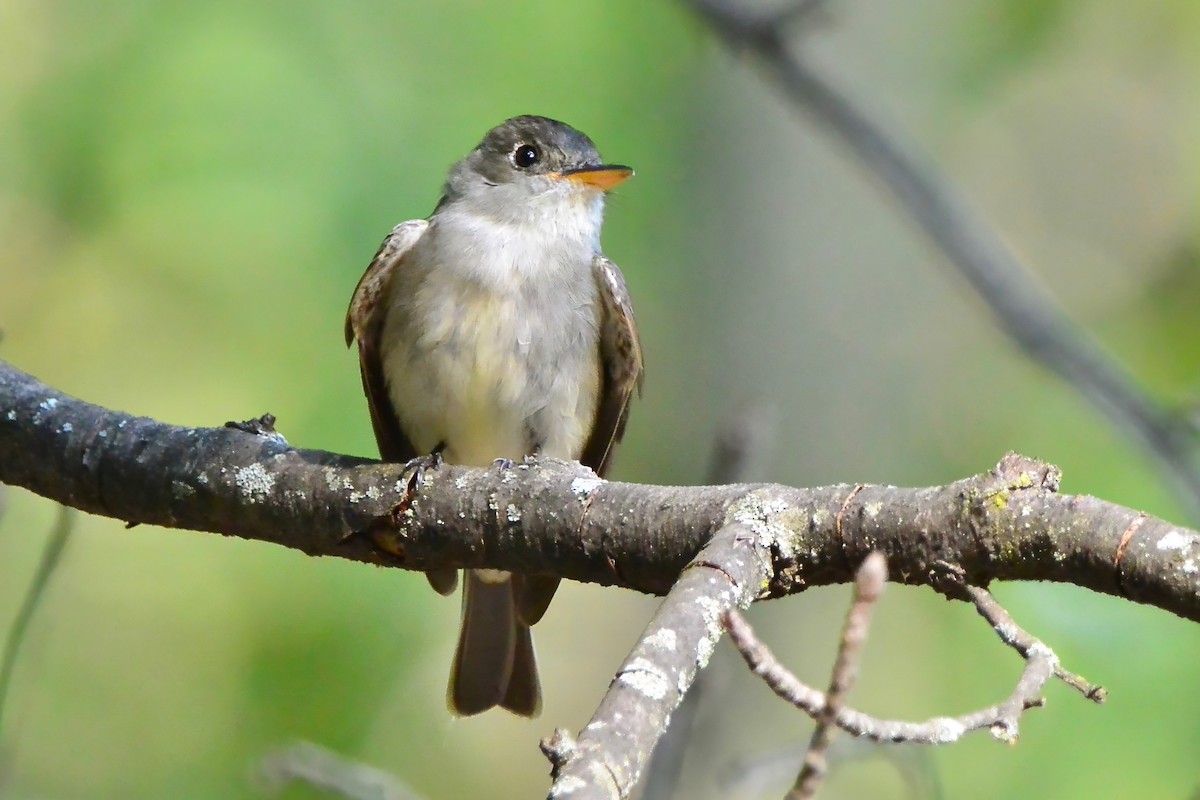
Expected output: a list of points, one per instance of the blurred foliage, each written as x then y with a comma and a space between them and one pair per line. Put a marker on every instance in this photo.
188, 193
1005, 35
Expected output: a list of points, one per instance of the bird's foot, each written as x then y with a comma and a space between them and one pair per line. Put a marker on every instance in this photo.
527, 460
382, 529
532, 456
415, 469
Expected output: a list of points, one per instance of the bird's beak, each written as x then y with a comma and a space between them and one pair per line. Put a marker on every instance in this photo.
603, 177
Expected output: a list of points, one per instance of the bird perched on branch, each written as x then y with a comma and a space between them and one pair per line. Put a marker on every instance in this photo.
493, 331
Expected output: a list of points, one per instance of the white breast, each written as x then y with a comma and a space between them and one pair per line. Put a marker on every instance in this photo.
490, 345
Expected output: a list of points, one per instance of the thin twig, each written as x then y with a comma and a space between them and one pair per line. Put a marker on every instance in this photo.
1000, 719
51, 556
741, 439
1028, 645
758, 773
310, 763
1029, 316
868, 588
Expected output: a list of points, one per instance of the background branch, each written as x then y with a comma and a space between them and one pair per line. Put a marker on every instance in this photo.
1026, 313
51, 555
320, 767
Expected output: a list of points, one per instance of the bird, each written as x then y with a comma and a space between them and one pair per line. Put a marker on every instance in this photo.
496, 330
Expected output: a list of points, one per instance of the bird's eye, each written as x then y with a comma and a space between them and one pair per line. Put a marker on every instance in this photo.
526, 155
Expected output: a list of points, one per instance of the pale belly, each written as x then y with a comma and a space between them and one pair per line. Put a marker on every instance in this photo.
492, 376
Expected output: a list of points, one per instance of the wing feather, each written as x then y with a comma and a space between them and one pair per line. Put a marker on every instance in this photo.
364, 323
621, 363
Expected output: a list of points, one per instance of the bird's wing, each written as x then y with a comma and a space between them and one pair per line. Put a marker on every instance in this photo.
364, 322
621, 365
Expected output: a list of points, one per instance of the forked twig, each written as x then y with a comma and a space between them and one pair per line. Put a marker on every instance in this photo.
1001, 719
868, 588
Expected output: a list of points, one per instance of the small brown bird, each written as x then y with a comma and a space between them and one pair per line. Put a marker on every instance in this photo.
493, 331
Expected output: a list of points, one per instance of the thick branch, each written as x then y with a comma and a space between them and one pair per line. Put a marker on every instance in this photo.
557, 518
608, 758
739, 439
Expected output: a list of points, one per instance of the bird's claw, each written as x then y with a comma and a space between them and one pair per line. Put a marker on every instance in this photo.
415, 469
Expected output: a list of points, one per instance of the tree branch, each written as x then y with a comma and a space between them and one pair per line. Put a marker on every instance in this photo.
1028, 315
715, 548
1002, 719
558, 518
607, 760
739, 440
320, 767
51, 555
868, 588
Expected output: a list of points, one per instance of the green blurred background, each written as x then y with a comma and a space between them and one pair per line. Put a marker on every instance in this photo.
188, 193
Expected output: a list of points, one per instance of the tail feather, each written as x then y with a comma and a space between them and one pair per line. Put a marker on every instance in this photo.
524, 694
533, 594
495, 663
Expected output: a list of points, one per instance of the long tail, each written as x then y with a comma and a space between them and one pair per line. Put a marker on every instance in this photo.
495, 664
